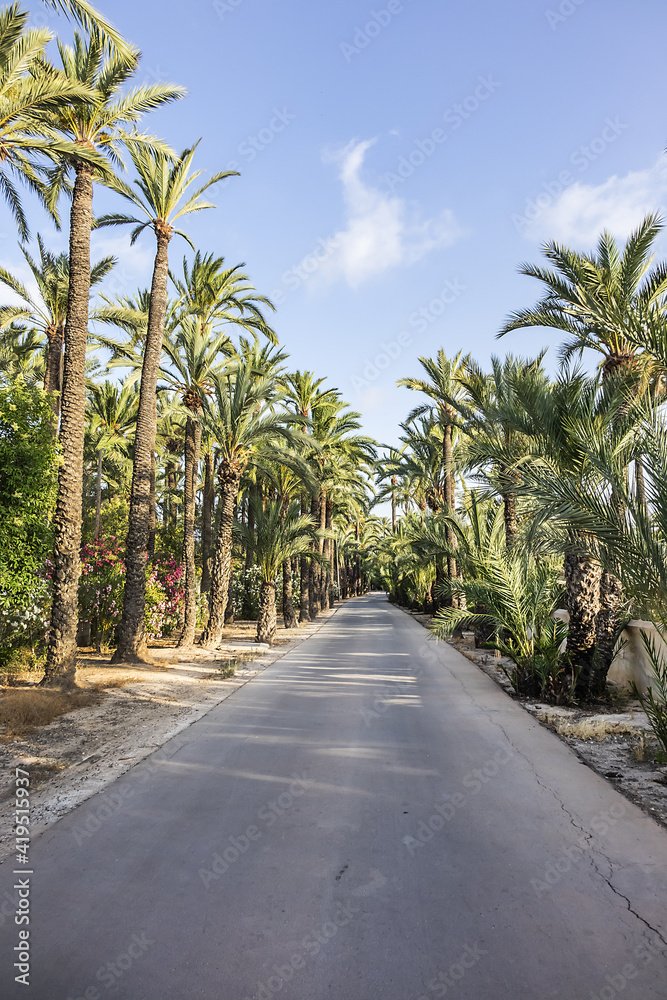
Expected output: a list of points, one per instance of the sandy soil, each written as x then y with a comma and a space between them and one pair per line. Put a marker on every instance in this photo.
616, 756
80, 753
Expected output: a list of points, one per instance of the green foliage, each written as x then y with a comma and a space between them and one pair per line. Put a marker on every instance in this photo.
519, 594
655, 707
28, 481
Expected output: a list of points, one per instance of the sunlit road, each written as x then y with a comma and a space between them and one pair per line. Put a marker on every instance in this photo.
369, 819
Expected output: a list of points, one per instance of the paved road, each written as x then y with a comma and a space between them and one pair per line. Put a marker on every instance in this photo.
370, 819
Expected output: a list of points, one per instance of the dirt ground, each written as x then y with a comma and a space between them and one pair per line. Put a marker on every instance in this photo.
80, 753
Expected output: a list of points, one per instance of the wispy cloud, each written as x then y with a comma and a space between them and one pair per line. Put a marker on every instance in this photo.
580, 213
382, 231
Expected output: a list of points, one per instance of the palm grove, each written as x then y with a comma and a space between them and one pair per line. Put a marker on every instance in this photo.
205, 405
208, 475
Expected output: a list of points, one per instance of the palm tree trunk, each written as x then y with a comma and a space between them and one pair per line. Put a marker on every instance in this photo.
54, 367
229, 610
323, 582
246, 604
511, 519
61, 655
304, 590
450, 498
131, 634
207, 522
266, 623
229, 477
329, 552
313, 567
153, 515
289, 616
394, 525
582, 579
192, 447
98, 494
606, 629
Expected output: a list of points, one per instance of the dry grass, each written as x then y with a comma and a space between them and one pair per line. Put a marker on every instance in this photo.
22, 710
592, 729
25, 709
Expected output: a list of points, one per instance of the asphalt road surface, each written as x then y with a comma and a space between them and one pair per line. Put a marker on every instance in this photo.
369, 819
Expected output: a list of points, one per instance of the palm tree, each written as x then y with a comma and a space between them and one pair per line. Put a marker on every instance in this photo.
599, 299
596, 298
47, 311
242, 417
280, 535
163, 195
192, 359
216, 295
30, 92
519, 594
97, 128
442, 386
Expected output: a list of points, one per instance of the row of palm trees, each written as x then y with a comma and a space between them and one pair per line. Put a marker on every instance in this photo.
66, 127
559, 480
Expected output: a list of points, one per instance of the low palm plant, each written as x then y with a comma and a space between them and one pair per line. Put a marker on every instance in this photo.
279, 535
519, 594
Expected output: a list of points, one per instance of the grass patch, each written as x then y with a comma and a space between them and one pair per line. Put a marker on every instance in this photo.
227, 668
24, 710
592, 729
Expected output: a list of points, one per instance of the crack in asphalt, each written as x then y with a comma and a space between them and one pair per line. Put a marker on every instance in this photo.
587, 835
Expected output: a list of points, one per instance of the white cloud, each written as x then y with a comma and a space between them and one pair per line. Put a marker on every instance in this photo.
580, 213
381, 231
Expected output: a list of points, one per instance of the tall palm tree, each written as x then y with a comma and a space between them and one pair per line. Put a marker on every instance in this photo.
303, 396
163, 194
242, 417
279, 536
442, 386
97, 128
47, 311
599, 299
192, 359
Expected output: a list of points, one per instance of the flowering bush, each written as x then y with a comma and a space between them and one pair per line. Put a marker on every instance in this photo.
101, 588
164, 596
103, 582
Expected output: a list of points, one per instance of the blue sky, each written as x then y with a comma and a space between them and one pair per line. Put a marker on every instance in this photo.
398, 160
